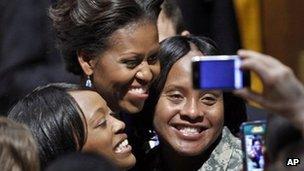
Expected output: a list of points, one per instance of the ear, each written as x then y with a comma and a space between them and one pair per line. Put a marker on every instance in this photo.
185, 33
86, 62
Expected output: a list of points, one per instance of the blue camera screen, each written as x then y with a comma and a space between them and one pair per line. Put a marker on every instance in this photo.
218, 74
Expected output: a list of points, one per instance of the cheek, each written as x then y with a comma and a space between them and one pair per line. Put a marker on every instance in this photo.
112, 71
156, 69
160, 114
216, 117
164, 112
100, 141
114, 78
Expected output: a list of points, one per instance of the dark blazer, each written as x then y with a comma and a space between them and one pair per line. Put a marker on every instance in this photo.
28, 57
215, 19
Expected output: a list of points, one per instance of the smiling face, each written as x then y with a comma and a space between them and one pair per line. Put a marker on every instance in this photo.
188, 120
104, 133
257, 145
123, 73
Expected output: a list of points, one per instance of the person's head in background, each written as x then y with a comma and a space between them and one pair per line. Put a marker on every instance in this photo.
281, 135
66, 118
18, 150
81, 162
170, 21
106, 43
288, 156
189, 122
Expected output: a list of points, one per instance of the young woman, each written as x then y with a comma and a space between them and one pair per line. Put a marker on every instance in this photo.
112, 44
66, 118
190, 123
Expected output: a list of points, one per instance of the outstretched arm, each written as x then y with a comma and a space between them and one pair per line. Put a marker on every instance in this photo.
282, 91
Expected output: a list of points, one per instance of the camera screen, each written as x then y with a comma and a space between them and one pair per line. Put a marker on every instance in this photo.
218, 72
254, 146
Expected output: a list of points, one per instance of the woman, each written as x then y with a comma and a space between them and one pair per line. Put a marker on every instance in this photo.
256, 153
66, 118
18, 150
189, 122
106, 42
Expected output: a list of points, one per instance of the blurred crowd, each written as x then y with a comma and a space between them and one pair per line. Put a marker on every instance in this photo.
107, 85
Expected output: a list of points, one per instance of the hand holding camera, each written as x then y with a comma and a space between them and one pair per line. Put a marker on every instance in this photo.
282, 91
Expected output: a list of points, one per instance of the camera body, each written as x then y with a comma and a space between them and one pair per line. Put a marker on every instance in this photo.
219, 72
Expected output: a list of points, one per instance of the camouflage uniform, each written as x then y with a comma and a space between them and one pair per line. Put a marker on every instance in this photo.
227, 155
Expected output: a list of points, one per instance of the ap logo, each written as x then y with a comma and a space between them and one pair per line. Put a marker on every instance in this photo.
292, 162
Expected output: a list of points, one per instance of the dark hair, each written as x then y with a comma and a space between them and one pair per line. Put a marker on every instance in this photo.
81, 162
18, 150
54, 118
89, 24
173, 12
174, 48
259, 139
151, 7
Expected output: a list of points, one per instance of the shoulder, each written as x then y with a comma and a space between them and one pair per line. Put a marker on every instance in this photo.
230, 139
227, 155
236, 157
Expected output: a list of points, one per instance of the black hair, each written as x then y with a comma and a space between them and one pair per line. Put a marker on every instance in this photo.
173, 12
152, 7
255, 139
54, 118
88, 25
171, 50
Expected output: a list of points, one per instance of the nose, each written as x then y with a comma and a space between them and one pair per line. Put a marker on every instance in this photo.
144, 73
191, 112
118, 126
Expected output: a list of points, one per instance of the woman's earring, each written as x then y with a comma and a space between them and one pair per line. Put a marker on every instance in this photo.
88, 82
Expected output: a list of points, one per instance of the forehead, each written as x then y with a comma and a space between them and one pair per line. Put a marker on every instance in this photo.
135, 35
182, 68
88, 100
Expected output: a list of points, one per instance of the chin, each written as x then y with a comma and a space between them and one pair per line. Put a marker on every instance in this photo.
132, 108
127, 164
189, 153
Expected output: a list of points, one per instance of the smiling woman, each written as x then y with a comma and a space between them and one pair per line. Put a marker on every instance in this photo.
190, 122
112, 45
66, 118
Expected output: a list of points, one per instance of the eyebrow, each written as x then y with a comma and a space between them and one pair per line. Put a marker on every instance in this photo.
174, 86
181, 88
154, 50
217, 93
129, 53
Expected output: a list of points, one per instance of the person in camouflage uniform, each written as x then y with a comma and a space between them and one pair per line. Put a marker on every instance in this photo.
192, 125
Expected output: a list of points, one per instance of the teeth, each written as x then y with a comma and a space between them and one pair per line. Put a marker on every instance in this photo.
140, 90
189, 131
122, 146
